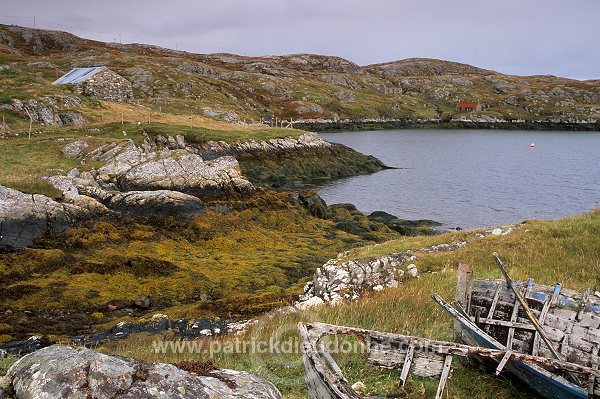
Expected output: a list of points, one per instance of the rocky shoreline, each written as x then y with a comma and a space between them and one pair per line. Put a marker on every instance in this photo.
326, 125
166, 176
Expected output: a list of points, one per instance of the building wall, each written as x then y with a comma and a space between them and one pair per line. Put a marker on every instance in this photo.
107, 86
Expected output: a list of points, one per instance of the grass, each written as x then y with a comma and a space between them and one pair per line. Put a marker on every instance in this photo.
564, 250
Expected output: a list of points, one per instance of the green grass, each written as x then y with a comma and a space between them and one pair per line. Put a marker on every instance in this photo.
5, 364
564, 250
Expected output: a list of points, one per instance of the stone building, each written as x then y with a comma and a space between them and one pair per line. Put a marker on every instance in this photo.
100, 83
468, 106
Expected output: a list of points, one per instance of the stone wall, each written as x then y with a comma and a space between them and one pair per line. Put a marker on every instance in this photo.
107, 86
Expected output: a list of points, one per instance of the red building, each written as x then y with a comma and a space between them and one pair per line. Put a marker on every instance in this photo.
468, 106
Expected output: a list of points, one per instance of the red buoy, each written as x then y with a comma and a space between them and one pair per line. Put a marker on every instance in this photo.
532, 145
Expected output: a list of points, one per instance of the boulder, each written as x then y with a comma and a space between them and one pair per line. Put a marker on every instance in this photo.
65, 372
26, 217
74, 149
188, 173
313, 203
142, 302
158, 203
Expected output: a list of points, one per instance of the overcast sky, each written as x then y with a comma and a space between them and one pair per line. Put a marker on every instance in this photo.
521, 37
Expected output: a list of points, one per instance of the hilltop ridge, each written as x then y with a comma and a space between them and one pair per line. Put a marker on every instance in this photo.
237, 88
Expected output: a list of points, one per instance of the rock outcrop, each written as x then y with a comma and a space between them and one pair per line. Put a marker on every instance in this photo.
64, 372
74, 149
26, 217
129, 167
47, 113
304, 143
149, 181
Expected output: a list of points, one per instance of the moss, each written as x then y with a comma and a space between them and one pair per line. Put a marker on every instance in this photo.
236, 264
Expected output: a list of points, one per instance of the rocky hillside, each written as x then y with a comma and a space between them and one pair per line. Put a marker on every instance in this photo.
302, 86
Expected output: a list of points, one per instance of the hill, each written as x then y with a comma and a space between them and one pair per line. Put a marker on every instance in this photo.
300, 86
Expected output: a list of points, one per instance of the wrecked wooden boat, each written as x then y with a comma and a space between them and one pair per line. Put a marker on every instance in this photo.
533, 319
411, 355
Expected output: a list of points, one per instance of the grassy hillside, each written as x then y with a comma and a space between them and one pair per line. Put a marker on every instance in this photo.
301, 86
564, 250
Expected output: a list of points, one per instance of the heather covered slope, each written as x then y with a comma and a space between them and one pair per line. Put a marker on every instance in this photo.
300, 86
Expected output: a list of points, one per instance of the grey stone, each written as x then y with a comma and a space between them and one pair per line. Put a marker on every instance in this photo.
142, 302
74, 149
158, 203
3, 354
48, 114
306, 108
70, 118
187, 173
503, 89
64, 372
26, 217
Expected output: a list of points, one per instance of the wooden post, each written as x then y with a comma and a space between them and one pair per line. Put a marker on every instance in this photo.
122, 118
30, 120
463, 290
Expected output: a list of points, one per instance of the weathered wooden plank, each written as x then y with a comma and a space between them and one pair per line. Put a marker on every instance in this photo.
428, 365
525, 306
407, 363
463, 291
529, 288
444, 377
583, 303
503, 362
494, 302
511, 329
513, 324
542, 319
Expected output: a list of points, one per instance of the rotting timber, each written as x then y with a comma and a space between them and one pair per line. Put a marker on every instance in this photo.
528, 318
411, 355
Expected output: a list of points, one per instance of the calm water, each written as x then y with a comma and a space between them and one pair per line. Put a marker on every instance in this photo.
473, 178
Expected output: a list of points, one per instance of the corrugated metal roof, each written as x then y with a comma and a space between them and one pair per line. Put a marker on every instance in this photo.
78, 75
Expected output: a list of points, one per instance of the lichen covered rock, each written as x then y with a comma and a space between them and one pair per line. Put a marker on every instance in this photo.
64, 372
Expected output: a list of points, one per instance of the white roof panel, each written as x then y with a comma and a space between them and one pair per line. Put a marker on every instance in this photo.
77, 75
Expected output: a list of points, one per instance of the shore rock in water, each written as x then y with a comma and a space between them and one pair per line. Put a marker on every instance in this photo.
313, 203
64, 372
